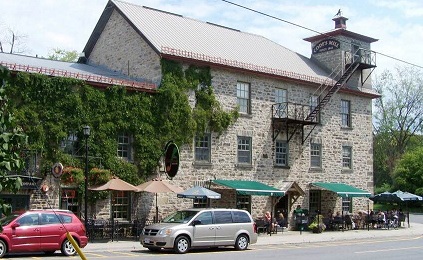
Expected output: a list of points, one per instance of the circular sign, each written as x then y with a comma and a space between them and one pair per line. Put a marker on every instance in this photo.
57, 170
171, 160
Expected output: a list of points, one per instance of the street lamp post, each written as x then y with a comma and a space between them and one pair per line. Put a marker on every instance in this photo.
86, 129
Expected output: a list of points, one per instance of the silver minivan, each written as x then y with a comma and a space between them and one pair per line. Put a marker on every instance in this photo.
192, 228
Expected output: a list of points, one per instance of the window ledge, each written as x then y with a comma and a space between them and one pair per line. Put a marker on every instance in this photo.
244, 165
281, 166
346, 128
315, 169
201, 164
245, 115
346, 170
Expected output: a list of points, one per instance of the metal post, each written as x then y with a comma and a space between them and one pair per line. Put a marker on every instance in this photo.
86, 130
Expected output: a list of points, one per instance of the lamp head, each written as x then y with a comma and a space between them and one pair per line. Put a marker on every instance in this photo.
86, 129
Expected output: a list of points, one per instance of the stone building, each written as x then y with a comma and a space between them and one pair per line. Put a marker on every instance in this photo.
304, 135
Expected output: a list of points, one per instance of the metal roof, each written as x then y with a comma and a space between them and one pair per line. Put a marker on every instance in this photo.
180, 36
89, 73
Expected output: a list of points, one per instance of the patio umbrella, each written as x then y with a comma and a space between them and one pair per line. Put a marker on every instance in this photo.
198, 192
158, 186
385, 197
115, 184
407, 196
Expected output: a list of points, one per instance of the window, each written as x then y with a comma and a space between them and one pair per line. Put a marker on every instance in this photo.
281, 99
206, 218
347, 205
244, 150
281, 153
124, 147
315, 155
28, 220
202, 148
200, 203
70, 144
223, 217
314, 203
345, 113
314, 102
241, 217
243, 202
346, 157
243, 97
120, 204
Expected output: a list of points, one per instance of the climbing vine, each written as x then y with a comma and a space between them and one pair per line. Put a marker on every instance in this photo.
49, 109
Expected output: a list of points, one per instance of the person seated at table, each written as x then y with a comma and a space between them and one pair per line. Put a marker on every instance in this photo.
280, 220
269, 223
381, 219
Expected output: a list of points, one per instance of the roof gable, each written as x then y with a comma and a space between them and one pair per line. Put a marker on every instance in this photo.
179, 36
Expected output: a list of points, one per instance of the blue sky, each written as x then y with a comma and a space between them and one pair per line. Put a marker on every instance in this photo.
67, 24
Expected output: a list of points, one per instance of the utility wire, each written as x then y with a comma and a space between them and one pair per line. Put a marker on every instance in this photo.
320, 33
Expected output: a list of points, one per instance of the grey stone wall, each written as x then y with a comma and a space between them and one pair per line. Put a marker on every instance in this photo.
119, 46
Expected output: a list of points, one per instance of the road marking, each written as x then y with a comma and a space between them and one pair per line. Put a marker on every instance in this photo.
387, 250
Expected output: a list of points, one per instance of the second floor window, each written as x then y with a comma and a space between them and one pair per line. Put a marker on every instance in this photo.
314, 101
70, 144
124, 147
202, 148
281, 153
315, 155
346, 157
244, 150
243, 97
345, 113
281, 99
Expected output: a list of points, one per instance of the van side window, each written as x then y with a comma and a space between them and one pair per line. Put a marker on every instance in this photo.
223, 217
206, 218
241, 217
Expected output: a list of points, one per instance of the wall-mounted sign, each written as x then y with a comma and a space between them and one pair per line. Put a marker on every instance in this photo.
326, 45
171, 159
57, 170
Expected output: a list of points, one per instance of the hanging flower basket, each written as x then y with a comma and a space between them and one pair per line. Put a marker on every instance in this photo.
72, 176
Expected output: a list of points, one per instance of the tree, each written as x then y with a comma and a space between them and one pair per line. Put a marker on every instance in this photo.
63, 55
11, 142
12, 40
397, 118
408, 174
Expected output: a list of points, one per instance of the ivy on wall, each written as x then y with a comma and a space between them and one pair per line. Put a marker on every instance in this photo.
50, 108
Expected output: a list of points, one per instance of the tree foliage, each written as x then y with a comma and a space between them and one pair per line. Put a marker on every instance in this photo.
398, 118
12, 140
63, 55
408, 173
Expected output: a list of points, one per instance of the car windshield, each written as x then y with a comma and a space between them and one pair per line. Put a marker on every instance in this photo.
7, 219
181, 216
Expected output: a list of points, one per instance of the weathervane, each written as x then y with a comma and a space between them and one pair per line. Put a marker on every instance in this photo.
339, 13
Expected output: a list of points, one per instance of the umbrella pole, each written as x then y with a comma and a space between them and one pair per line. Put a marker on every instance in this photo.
157, 211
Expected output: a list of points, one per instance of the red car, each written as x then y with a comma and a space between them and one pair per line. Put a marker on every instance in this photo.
41, 231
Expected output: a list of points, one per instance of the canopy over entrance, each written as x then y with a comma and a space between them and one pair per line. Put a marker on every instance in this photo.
342, 189
250, 188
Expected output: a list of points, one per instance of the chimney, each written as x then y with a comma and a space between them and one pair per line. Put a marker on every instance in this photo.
340, 22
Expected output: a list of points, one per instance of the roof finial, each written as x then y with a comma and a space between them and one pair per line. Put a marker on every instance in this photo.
339, 13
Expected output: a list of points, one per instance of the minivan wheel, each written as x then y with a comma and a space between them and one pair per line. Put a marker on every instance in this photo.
3, 248
67, 248
241, 242
182, 245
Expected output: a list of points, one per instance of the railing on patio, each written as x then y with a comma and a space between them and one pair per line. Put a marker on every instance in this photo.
101, 229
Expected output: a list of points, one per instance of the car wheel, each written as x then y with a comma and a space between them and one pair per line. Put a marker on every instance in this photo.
3, 248
241, 242
67, 248
49, 252
182, 245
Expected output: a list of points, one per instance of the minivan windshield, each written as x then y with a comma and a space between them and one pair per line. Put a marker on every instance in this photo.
180, 216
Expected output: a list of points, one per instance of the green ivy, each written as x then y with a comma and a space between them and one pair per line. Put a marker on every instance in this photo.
48, 109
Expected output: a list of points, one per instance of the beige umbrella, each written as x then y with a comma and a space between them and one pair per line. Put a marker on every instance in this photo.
115, 184
158, 186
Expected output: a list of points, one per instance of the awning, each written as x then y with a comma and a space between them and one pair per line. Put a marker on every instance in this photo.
250, 188
342, 189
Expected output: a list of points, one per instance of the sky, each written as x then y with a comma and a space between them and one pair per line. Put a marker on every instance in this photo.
44, 25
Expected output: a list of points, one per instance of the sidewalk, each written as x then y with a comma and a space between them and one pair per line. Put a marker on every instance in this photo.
287, 237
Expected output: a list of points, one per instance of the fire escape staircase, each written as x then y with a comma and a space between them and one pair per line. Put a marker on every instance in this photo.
327, 89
